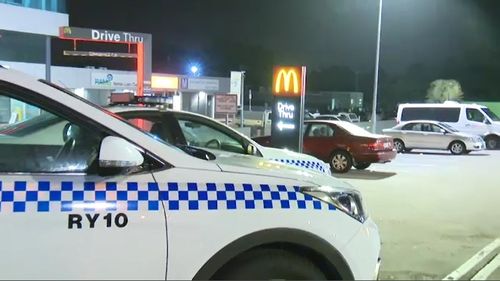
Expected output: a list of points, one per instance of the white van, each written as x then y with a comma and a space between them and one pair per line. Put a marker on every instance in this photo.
469, 118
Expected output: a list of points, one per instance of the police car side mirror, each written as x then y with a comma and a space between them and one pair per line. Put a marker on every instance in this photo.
486, 121
116, 152
251, 149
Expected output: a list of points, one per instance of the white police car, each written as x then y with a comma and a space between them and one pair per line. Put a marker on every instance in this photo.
100, 199
186, 128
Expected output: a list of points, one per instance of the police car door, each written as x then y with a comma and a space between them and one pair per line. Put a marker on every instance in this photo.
63, 217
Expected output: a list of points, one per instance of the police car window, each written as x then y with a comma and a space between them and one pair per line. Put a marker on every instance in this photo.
37, 141
320, 130
201, 135
474, 115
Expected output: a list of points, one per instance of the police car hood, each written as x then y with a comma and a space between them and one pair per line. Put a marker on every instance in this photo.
275, 153
238, 163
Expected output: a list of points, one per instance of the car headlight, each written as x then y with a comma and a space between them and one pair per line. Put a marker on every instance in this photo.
349, 201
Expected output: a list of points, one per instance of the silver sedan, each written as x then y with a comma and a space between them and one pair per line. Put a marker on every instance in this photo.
425, 134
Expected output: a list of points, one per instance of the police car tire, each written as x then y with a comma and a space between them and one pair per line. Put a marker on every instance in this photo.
270, 263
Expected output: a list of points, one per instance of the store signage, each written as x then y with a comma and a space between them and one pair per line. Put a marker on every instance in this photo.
288, 81
112, 80
288, 109
203, 84
67, 32
164, 82
236, 81
184, 83
226, 104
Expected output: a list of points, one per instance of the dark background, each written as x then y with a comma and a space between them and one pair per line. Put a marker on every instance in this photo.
422, 40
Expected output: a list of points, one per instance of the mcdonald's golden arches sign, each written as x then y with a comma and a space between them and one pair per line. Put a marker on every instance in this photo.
288, 81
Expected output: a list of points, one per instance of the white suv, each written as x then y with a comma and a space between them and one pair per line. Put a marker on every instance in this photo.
100, 199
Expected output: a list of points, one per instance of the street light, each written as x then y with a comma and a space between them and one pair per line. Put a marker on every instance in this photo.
377, 60
194, 69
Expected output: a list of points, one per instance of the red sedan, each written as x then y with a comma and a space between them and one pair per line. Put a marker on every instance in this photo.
343, 145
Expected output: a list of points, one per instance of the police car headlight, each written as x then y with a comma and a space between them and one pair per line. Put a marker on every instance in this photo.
350, 202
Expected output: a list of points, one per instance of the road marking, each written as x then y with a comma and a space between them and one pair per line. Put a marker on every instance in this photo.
476, 263
488, 269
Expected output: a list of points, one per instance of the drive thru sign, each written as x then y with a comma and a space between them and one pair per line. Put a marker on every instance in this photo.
289, 83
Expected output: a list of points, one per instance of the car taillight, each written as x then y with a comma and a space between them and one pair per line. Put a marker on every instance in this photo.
380, 145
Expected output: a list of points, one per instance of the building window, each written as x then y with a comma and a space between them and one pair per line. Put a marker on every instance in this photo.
47, 5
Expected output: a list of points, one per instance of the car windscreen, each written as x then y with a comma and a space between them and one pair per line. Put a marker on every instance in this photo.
343, 117
354, 129
490, 114
448, 127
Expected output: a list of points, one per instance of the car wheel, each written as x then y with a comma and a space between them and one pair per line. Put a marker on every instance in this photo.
269, 264
491, 142
362, 166
340, 162
457, 148
399, 145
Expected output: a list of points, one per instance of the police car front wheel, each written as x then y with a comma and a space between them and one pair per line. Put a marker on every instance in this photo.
267, 264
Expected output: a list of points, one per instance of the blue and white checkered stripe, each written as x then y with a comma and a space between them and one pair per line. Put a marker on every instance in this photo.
312, 165
45, 196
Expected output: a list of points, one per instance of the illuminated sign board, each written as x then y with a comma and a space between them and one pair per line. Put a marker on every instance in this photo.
288, 109
165, 82
68, 32
288, 81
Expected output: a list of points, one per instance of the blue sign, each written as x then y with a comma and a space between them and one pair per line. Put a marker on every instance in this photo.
184, 83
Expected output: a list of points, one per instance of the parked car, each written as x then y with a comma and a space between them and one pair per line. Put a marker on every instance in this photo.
468, 118
351, 117
330, 117
183, 128
343, 145
98, 198
426, 134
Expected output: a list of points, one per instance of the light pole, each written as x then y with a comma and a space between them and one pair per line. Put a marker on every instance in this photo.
377, 60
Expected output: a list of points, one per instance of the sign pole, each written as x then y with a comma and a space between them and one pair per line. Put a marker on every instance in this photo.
242, 96
249, 99
302, 108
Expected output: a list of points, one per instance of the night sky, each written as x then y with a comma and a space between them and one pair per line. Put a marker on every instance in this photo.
224, 34
313, 32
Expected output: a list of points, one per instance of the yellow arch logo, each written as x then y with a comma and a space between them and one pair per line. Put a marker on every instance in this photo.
287, 80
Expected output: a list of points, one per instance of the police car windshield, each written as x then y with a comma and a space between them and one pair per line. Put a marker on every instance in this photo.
491, 114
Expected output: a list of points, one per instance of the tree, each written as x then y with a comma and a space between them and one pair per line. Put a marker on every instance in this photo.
442, 90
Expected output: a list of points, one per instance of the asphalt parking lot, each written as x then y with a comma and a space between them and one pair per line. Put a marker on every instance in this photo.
434, 210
